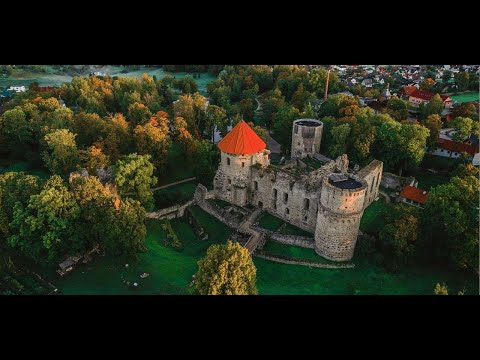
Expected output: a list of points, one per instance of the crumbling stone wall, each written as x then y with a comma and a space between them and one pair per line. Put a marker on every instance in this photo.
372, 174
301, 241
306, 139
171, 212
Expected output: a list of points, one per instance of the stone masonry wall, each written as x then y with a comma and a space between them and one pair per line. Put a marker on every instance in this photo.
372, 174
306, 139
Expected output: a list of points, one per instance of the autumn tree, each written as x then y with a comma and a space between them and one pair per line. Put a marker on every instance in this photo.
134, 178
61, 154
465, 170
433, 123
466, 110
216, 119
427, 84
463, 128
118, 140
193, 109
49, 104
261, 132
153, 138
44, 229
93, 158
227, 269
88, 128
138, 114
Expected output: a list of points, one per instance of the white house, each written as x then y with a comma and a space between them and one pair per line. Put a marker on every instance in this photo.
17, 88
453, 149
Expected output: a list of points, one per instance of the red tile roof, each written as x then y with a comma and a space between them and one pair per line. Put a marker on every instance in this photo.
426, 95
409, 89
412, 193
457, 146
242, 140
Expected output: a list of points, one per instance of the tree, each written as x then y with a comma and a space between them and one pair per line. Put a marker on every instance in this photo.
125, 229
216, 119
451, 223
463, 128
226, 270
93, 158
462, 79
434, 106
282, 124
138, 114
441, 289
467, 110
187, 85
401, 233
193, 109
16, 131
153, 138
397, 109
427, 84
15, 188
88, 128
401, 146
49, 104
261, 132
204, 160
118, 140
433, 123
43, 230
447, 75
134, 178
61, 154
465, 170
340, 136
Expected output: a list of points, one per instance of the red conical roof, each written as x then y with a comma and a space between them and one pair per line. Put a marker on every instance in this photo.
241, 140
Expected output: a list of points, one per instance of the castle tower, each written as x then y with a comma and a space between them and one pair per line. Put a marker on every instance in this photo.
240, 149
306, 137
338, 219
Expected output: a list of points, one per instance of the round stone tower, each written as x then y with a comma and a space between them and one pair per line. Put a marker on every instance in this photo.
240, 149
306, 137
339, 212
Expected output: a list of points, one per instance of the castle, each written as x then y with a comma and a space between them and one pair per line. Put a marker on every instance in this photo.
328, 201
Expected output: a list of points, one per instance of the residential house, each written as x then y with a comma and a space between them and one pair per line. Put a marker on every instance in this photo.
413, 196
17, 88
406, 91
418, 97
368, 83
453, 149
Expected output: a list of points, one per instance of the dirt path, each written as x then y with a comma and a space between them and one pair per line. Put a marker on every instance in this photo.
174, 183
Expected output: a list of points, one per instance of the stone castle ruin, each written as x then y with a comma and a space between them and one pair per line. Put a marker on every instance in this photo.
328, 201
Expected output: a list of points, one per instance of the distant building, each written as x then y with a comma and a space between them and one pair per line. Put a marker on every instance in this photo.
413, 196
406, 91
453, 149
418, 97
17, 88
368, 83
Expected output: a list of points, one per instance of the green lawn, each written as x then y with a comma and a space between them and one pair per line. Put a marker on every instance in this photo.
312, 162
171, 270
26, 168
427, 181
276, 248
438, 162
273, 223
177, 194
221, 203
465, 97
372, 219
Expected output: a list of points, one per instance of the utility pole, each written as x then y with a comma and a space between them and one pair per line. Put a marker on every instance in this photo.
326, 86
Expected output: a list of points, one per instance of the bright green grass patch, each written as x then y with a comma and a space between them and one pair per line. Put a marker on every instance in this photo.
372, 219
26, 168
365, 278
426, 182
276, 248
465, 97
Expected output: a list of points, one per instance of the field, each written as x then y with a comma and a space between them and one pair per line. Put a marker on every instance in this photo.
465, 97
51, 79
171, 270
372, 218
25, 167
